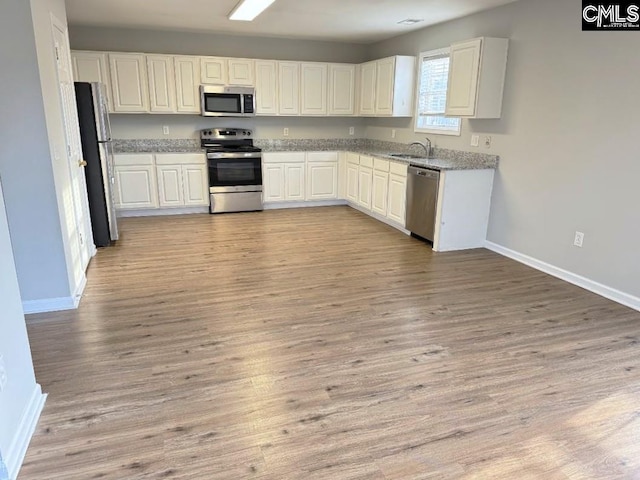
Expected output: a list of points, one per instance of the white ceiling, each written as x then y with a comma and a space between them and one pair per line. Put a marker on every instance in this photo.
360, 21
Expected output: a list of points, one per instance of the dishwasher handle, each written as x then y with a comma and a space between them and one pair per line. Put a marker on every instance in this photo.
423, 172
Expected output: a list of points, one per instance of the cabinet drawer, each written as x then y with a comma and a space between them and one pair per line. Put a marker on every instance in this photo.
132, 159
180, 159
283, 157
353, 158
398, 168
366, 161
322, 156
381, 165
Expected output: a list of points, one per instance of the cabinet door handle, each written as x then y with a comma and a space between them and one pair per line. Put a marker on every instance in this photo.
82, 163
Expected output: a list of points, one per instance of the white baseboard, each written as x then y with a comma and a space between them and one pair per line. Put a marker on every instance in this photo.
50, 305
156, 212
18, 448
380, 218
46, 305
316, 203
578, 280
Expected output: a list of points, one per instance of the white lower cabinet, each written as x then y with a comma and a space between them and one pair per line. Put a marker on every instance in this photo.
135, 187
283, 176
300, 176
397, 193
272, 182
365, 177
322, 176
365, 180
135, 182
182, 185
379, 192
195, 184
352, 183
151, 181
294, 181
170, 192
322, 180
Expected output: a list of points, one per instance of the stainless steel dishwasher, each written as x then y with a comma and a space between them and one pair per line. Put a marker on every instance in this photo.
422, 200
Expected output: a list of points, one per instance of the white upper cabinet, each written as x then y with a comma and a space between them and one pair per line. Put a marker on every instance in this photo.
130, 93
395, 86
162, 87
314, 88
385, 77
368, 88
288, 88
342, 89
241, 71
188, 84
386, 87
213, 70
476, 78
266, 87
91, 67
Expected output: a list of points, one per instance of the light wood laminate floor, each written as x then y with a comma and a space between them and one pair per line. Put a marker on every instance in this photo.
321, 344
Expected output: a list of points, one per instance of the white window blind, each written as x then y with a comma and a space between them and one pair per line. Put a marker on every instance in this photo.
432, 95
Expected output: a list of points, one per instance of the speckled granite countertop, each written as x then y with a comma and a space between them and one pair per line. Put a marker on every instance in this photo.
444, 159
151, 145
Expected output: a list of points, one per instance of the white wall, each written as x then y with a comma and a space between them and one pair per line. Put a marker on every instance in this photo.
21, 398
567, 139
25, 161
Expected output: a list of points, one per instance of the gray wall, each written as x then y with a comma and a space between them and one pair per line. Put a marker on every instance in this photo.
25, 161
187, 126
567, 139
189, 43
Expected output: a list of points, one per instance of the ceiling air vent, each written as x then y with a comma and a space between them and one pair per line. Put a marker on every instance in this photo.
410, 21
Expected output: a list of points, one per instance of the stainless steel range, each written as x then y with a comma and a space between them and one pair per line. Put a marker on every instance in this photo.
235, 170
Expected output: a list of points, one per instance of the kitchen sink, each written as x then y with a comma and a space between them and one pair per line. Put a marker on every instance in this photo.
406, 155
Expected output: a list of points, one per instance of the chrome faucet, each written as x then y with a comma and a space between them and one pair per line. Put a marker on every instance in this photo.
426, 145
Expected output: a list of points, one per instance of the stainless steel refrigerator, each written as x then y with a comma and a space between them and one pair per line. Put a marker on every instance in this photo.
95, 131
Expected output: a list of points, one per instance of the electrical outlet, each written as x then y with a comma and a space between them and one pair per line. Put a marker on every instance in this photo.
487, 142
393, 133
285, 132
165, 130
578, 240
475, 140
352, 131
3, 374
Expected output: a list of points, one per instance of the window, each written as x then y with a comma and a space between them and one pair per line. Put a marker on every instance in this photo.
432, 95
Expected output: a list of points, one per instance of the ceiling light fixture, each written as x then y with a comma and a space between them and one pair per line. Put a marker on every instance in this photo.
410, 21
247, 10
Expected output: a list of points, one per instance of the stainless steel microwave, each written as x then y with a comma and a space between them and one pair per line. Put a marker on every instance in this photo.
220, 101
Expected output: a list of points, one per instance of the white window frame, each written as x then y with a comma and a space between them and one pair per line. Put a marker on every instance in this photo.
433, 130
